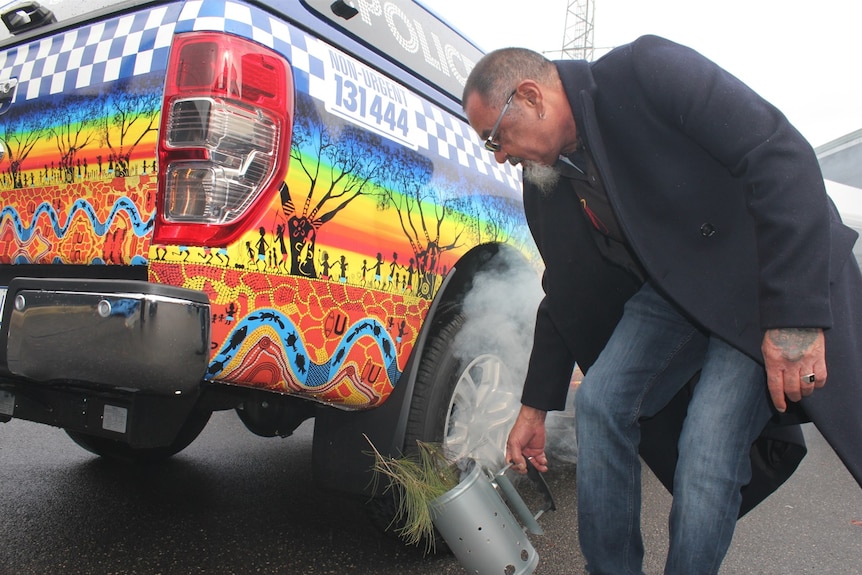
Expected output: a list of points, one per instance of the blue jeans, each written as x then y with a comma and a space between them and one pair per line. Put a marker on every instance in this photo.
652, 354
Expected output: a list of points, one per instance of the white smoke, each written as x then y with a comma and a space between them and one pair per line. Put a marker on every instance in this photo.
500, 312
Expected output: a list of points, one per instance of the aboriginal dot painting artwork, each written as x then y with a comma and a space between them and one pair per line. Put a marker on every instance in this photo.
325, 294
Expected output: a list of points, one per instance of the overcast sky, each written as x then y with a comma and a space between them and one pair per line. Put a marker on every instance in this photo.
803, 56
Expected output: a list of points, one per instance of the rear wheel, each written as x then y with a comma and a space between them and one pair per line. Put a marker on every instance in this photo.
465, 401
120, 451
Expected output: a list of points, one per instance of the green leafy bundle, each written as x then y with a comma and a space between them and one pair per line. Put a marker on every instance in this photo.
417, 479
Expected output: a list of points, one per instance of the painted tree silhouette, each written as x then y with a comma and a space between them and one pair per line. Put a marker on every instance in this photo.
422, 204
499, 209
75, 127
20, 133
130, 113
502, 217
340, 163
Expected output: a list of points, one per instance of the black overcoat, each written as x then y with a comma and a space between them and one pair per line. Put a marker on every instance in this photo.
724, 204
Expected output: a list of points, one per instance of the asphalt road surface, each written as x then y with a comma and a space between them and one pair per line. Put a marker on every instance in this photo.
234, 503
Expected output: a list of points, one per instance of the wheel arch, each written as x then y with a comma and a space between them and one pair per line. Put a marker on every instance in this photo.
459, 282
341, 452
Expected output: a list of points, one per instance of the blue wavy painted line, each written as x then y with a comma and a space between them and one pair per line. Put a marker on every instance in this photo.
140, 226
307, 372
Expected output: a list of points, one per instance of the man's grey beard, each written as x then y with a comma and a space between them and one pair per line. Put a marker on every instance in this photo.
544, 177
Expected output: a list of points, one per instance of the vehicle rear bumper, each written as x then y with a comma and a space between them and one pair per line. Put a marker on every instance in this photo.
121, 334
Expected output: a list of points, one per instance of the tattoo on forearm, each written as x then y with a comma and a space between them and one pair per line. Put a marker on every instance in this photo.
793, 342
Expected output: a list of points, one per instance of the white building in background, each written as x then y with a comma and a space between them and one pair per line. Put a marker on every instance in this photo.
841, 159
841, 163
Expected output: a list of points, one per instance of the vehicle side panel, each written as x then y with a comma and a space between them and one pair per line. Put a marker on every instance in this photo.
325, 295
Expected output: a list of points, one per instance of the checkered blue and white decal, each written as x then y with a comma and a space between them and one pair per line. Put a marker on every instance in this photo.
139, 43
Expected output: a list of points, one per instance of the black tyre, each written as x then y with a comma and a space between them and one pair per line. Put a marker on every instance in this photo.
119, 451
466, 397
467, 402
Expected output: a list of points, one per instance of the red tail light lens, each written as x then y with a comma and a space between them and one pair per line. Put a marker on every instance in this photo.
224, 140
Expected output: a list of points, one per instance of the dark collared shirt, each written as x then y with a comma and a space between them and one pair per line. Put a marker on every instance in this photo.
580, 170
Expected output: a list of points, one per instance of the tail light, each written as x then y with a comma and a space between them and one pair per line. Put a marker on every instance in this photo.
224, 140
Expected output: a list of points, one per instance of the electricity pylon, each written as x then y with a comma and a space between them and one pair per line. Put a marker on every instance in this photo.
578, 32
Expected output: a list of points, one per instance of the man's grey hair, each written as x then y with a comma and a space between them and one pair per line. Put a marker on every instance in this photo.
499, 72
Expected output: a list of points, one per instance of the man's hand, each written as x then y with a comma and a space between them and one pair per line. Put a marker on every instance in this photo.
789, 355
527, 440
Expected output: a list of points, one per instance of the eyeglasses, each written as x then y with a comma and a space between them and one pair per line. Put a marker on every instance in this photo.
490, 144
